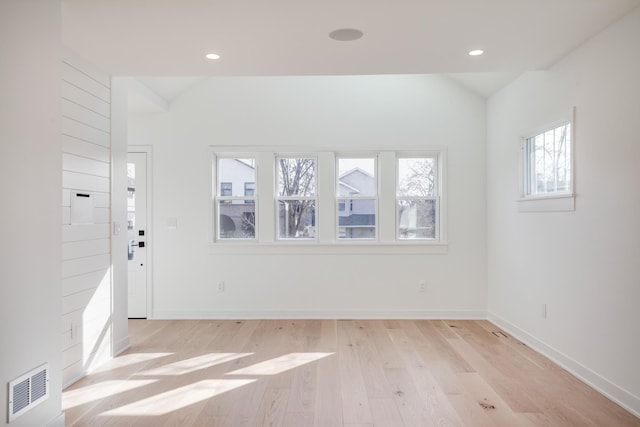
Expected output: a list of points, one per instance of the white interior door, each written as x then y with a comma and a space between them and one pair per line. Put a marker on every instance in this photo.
137, 233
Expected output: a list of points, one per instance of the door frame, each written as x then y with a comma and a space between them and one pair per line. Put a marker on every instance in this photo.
149, 238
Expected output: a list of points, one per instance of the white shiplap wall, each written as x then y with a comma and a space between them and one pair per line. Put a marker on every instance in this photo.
86, 247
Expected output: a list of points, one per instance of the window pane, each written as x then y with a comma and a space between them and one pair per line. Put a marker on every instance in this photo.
226, 189
356, 177
236, 220
131, 195
357, 219
297, 219
233, 173
416, 219
249, 189
297, 177
549, 161
416, 177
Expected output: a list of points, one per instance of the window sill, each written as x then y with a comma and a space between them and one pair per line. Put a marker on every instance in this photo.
337, 248
550, 203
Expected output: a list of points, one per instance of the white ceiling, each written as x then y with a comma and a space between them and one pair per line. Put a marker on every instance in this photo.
169, 38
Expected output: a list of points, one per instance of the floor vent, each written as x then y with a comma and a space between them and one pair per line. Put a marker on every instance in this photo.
27, 391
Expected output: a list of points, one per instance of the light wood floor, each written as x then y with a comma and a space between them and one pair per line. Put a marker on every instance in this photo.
332, 373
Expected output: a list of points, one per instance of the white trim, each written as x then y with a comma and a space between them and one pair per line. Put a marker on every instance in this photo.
215, 198
438, 176
315, 198
375, 197
322, 314
312, 247
326, 200
540, 202
58, 421
123, 345
550, 203
610, 390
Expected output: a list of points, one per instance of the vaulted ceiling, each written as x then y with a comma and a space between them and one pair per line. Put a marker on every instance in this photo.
291, 37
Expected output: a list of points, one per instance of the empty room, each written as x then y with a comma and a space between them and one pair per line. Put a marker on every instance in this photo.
335, 213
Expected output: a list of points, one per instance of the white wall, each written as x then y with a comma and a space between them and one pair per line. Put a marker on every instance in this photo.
30, 183
349, 113
119, 242
582, 264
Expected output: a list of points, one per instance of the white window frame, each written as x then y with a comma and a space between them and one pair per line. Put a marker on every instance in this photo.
326, 242
217, 197
278, 198
437, 156
375, 197
557, 201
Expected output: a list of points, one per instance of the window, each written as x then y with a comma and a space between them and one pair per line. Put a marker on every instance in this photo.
383, 201
249, 189
417, 198
356, 187
296, 198
235, 213
226, 189
547, 162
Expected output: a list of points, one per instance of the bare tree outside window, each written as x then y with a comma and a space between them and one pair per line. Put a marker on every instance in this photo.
297, 198
417, 198
417, 177
548, 162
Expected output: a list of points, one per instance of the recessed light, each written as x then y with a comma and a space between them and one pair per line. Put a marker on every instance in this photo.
212, 56
346, 34
476, 52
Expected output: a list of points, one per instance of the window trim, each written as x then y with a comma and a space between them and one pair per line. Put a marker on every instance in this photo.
326, 242
438, 157
554, 201
277, 198
338, 198
217, 198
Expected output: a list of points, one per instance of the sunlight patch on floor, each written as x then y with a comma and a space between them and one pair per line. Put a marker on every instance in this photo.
187, 366
82, 395
128, 359
173, 400
280, 364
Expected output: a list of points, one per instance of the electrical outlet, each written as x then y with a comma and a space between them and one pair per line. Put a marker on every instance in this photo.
221, 286
422, 286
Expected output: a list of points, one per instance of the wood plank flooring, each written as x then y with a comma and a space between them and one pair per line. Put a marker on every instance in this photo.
332, 373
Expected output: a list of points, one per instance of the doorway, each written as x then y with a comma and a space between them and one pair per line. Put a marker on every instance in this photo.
139, 250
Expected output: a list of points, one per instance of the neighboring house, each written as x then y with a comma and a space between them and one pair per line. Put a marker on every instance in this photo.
356, 206
237, 217
357, 216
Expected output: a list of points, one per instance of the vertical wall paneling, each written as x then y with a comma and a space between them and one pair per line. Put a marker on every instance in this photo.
86, 242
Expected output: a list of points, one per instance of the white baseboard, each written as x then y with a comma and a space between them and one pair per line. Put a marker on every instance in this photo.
121, 346
615, 393
319, 314
57, 421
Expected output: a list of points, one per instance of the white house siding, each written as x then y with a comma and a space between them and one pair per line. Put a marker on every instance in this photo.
86, 272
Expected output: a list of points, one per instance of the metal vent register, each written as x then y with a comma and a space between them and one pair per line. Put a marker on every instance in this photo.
27, 391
